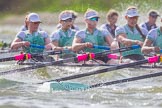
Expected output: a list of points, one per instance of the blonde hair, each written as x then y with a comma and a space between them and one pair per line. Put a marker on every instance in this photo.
131, 7
111, 13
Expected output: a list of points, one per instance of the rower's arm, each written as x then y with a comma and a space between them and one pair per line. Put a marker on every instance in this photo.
147, 48
109, 40
18, 43
48, 44
114, 44
128, 42
55, 46
78, 45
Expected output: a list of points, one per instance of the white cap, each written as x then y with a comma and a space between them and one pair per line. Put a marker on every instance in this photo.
65, 15
33, 17
91, 14
132, 12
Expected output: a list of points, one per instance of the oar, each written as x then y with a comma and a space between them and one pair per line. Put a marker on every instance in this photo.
127, 79
69, 86
24, 56
153, 59
37, 46
94, 46
101, 47
9, 51
12, 50
59, 84
79, 58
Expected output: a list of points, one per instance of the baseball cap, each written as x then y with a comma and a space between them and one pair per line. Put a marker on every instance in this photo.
91, 14
153, 13
132, 12
33, 17
65, 15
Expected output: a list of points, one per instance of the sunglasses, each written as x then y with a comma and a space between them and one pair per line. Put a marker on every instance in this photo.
94, 19
36, 22
154, 16
68, 20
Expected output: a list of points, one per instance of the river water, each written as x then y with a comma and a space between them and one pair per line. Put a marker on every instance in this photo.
19, 90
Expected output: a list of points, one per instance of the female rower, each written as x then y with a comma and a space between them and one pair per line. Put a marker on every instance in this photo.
73, 26
153, 41
85, 39
112, 17
152, 18
26, 23
63, 37
130, 34
32, 36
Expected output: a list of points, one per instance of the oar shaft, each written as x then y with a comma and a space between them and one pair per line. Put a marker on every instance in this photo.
73, 59
7, 59
127, 80
98, 71
28, 56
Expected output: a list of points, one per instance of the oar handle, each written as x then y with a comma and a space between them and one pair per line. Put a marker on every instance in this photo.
101, 47
160, 51
135, 46
37, 46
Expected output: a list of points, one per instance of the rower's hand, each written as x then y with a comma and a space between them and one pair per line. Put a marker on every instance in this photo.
88, 45
156, 49
139, 43
25, 43
48, 47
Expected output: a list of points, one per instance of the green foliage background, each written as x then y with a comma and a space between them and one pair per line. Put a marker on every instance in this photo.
21, 6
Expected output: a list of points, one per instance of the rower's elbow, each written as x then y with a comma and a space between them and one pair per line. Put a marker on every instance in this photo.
74, 48
12, 46
143, 50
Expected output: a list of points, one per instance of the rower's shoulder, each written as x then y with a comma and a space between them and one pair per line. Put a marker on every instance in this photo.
43, 33
21, 33
153, 32
120, 30
55, 33
103, 26
144, 30
80, 32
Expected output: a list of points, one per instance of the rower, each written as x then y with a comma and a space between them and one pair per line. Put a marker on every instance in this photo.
63, 37
85, 39
112, 17
73, 26
26, 23
130, 34
153, 41
151, 23
32, 36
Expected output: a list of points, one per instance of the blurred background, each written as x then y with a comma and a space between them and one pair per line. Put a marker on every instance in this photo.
12, 12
